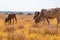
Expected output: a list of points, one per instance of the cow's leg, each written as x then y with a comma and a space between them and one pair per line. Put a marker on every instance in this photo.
58, 20
10, 21
47, 20
13, 20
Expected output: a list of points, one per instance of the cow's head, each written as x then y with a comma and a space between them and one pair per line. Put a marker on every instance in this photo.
6, 20
37, 17
36, 14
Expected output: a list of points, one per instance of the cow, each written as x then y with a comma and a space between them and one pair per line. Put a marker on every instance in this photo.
48, 14
10, 17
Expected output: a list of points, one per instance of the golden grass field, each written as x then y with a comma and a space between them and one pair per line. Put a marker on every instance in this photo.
26, 29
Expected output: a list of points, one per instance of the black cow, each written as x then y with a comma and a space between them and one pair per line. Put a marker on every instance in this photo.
11, 17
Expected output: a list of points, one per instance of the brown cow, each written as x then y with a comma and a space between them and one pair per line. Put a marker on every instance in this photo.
48, 14
11, 17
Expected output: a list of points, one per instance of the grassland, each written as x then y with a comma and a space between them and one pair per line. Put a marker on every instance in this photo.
26, 29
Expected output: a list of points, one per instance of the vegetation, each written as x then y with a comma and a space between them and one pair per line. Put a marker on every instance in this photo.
28, 30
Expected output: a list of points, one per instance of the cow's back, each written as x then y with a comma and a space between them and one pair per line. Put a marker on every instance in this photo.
52, 13
12, 15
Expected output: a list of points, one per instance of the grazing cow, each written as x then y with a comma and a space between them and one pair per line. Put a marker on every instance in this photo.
10, 17
48, 14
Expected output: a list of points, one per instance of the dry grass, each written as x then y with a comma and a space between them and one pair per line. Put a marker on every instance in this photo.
26, 29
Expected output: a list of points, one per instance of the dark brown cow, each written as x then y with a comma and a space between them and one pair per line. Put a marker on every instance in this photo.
48, 14
11, 17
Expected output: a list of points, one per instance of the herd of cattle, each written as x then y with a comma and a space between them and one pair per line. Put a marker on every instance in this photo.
40, 16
